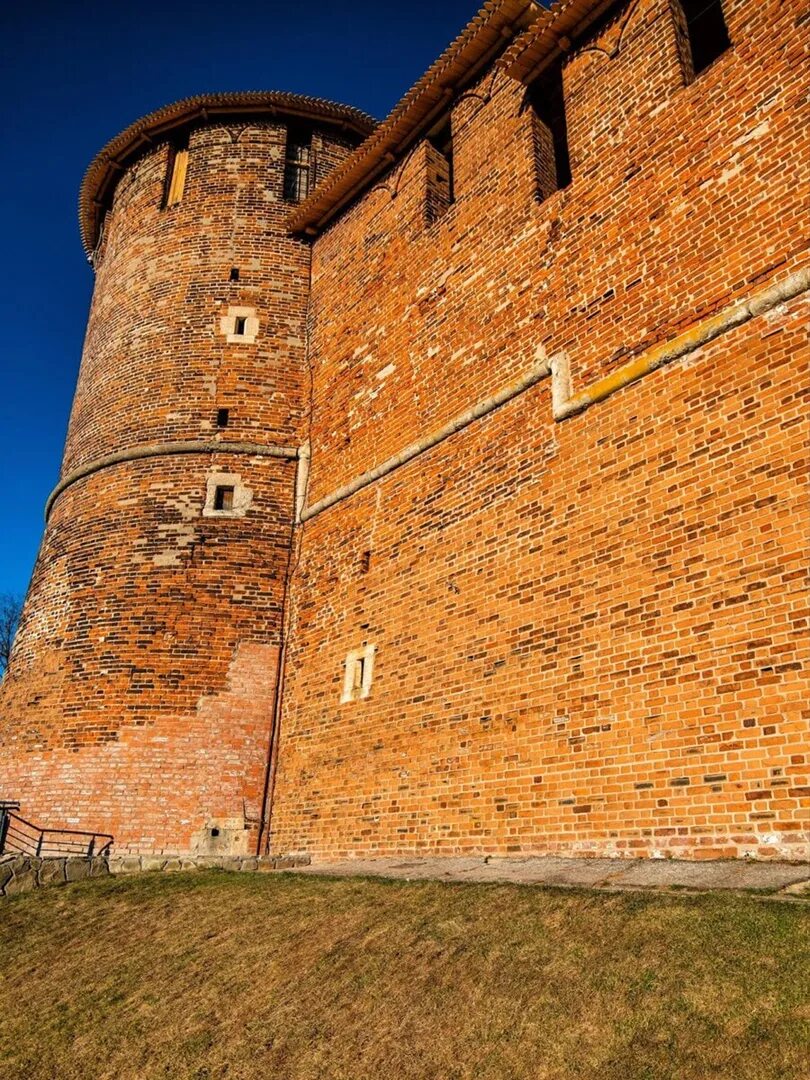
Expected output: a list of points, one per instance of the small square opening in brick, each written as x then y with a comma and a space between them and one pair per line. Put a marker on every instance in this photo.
240, 325
234, 275
358, 674
223, 417
223, 498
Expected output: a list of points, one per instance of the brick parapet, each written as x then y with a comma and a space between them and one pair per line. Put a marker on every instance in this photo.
601, 253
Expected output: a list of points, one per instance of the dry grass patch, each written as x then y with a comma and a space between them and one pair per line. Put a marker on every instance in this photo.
301, 978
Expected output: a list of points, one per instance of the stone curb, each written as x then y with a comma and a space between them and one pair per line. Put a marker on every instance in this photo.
168, 864
25, 873
20, 874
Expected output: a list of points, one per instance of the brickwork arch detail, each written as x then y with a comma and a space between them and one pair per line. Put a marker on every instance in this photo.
613, 39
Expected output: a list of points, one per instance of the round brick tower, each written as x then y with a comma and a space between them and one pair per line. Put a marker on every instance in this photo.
140, 694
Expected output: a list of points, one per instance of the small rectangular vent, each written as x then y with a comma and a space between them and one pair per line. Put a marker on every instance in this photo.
223, 499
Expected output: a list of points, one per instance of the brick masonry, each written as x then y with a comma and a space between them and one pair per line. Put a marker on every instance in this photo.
590, 635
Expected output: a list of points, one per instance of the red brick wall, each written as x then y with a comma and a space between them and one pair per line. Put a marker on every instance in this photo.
591, 636
139, 699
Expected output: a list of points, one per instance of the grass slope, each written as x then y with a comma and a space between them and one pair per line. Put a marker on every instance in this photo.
299, 978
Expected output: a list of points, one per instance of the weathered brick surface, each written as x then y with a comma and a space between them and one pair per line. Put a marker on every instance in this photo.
591, 636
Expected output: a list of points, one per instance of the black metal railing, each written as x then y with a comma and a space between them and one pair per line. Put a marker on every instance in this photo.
21, 837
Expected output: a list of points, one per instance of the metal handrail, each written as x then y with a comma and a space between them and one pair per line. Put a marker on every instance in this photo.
21, 837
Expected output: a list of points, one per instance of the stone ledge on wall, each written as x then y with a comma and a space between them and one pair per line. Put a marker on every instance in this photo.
24, 873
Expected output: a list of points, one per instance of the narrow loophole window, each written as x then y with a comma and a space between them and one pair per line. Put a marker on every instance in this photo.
223, 417
223, 498
440, 193
234, 275
240, 325
176, 170
443, 141
358, 675
707, 31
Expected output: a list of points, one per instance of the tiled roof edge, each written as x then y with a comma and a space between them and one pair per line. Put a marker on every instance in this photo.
107, 164
495, 25
550, 37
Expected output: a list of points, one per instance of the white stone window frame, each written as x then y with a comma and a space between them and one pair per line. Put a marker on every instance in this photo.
358, 693
227, 326
242, 496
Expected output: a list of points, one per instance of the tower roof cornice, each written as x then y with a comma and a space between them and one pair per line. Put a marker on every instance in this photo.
106, 167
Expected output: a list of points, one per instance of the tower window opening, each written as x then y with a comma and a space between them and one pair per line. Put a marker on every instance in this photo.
297, 164
441, 192
365, 562
707, 31
240, 325
550, 132
234, 274
176, 170
223, 499
223, 417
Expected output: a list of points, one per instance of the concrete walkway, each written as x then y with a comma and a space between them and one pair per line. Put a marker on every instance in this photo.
789, 879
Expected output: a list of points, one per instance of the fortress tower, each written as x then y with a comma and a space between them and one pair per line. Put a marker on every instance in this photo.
140, 696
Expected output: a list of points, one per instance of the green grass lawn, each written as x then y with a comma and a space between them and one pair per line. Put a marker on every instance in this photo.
301, 978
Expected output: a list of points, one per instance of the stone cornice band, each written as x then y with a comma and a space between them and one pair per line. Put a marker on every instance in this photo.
565, 404
138, 453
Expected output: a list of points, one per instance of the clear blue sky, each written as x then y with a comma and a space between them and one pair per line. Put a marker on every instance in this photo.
72, 75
